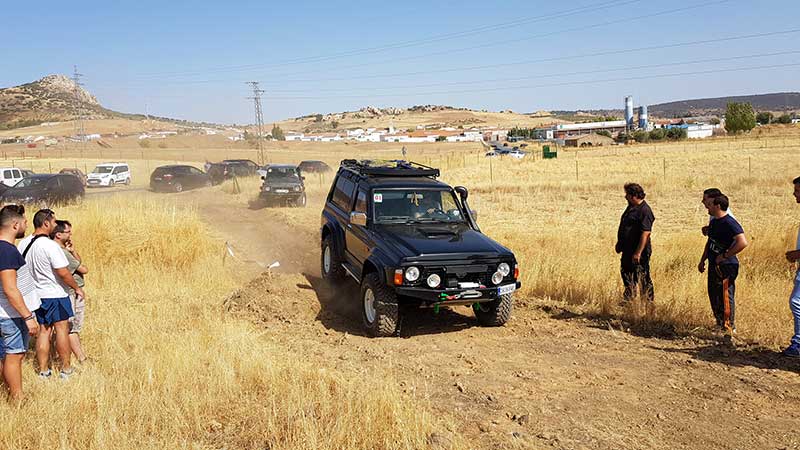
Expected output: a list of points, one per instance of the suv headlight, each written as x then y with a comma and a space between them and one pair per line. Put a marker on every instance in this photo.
265, 188
297, 188
504, 268
412, 274
497, 278
434, 280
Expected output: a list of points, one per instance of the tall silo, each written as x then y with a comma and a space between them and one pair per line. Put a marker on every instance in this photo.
643, 117
629, 111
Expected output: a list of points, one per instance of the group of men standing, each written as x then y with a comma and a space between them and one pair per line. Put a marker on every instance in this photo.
42, 294
725, 240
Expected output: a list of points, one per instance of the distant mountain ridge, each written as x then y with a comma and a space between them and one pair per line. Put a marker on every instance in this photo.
781, 101
54, 98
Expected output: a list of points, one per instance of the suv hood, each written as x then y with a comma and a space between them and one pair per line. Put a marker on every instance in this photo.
439, 241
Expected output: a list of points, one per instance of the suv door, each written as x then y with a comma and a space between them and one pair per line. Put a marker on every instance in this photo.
198, 178
16, 175
357, 236
52, 192
341, 204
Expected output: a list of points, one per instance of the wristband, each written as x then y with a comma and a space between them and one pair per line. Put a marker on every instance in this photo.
29, 317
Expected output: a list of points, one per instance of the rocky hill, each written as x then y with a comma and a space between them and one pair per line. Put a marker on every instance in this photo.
52, 98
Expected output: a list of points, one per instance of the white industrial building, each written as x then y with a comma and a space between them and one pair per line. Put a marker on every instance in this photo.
699, 131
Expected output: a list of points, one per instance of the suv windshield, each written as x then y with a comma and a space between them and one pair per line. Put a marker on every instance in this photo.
287, 173
103, 169
407, 205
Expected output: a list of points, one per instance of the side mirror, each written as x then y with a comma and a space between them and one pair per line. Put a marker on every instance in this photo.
303, 178
462, 192
358, 218
263, 178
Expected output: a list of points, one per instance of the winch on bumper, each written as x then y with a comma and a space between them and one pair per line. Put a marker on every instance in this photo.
457, 296
461, 284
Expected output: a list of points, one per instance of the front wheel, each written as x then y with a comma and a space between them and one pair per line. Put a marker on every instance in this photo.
127, 181
178, 187
495, 313
379, 309
111, 183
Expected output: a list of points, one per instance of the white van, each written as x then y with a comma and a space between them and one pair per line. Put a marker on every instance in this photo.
10, 176
109, 174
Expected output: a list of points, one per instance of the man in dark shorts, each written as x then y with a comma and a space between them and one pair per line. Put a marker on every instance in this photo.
52, 279
17, 299
725, 240
633, 242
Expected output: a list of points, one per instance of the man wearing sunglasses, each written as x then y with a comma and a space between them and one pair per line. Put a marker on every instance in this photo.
52, 279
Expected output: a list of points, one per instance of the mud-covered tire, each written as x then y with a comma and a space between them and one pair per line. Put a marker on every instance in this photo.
330, 268
383, 318
495, 313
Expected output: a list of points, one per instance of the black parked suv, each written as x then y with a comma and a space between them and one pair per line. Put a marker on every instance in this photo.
45, 189
241, 167
283, 183
411, 240
178, 178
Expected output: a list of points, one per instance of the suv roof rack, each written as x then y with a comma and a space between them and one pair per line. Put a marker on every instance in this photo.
389, 168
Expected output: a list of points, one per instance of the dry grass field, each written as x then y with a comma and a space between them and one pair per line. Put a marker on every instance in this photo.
174, 369
171, 370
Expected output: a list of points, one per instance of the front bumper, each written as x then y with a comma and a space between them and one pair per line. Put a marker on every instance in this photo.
98, 182
274, 195
454, 296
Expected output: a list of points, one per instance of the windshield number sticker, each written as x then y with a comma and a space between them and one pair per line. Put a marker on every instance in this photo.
377, 198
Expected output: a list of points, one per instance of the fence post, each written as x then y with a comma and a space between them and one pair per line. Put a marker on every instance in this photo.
664, 160
50, 167
576, 168
491, 171
749, 166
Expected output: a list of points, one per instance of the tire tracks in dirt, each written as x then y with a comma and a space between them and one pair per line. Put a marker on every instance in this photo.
550, 378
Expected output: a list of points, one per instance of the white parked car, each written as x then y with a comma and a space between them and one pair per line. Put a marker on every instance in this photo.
10, 176
519, 154
109, 174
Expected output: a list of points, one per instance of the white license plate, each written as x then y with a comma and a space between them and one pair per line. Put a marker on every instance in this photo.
507, 289
282, 191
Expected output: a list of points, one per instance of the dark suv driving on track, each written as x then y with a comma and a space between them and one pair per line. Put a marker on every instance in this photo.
283, 183
411, 240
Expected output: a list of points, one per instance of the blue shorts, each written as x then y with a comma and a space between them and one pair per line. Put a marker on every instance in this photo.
54, 310
13, 336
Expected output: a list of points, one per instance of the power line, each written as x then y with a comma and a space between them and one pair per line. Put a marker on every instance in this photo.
257, 91
523, 62
563, 74
568, 83
406, 44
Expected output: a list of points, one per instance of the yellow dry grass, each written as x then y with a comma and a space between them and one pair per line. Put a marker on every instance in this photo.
171, 370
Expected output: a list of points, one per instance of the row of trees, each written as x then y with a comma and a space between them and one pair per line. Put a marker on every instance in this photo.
766, 118
657, 134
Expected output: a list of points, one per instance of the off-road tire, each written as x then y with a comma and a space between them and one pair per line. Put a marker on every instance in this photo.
335, 273
111, 183
387, 314
495, 313
127, 181
302, 202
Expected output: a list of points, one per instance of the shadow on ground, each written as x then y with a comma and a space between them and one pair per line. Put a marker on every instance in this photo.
340, 310
714, 346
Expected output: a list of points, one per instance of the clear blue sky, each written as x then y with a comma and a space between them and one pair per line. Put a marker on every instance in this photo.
190, 59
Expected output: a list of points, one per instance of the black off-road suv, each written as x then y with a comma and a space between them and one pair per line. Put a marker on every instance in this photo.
411, 240
283, 183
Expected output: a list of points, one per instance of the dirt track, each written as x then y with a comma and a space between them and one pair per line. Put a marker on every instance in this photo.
550, 378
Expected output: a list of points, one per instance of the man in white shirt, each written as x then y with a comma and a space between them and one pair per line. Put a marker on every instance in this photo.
52, 279
793, 350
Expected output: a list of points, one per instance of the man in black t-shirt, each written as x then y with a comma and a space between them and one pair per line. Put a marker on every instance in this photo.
633, 242
725, 240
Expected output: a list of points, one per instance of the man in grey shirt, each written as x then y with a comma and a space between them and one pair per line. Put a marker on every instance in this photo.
62, 235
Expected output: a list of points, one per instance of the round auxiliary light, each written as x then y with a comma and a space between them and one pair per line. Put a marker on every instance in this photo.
504, 268
497, 278
434, 280
412, 274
